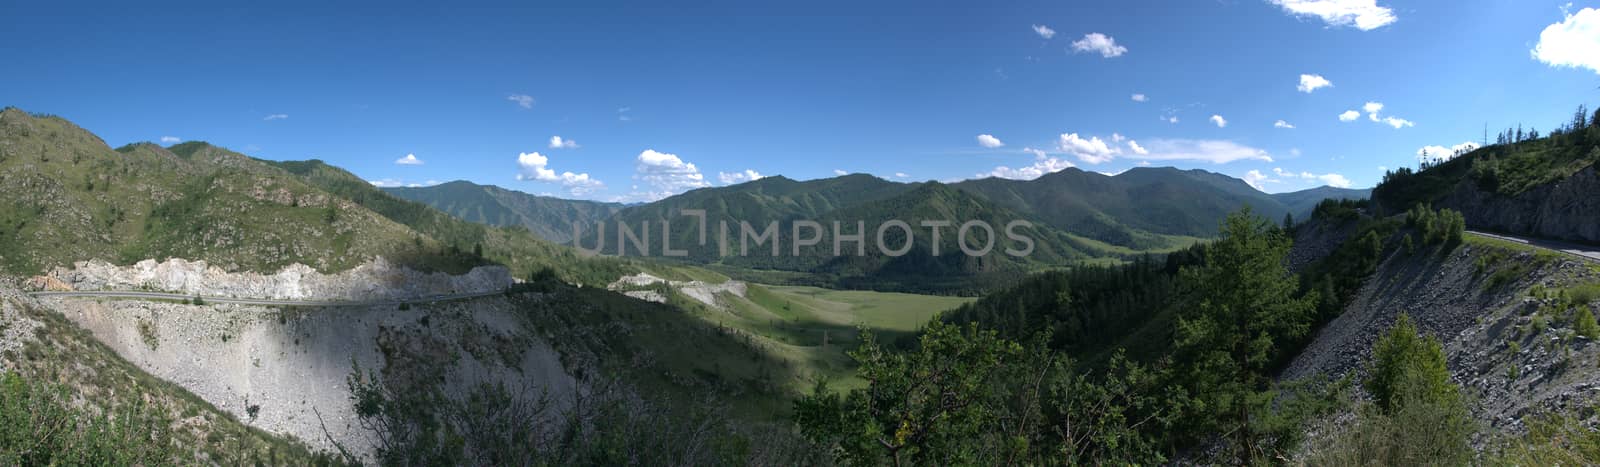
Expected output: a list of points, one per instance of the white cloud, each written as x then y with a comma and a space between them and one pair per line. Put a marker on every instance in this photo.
623, 116
1042, 164
1365, 15
1310, 83
901, 175
1140, 98
1099, 43
989, 141
534, 167
666, 174
1221, 122
1171, 119
1213, 151
1257, 179
1441, 153
1372, 109
1330, 179
275, 117
840, 172
556, 142
170, 139
730, 178
1574, 42
410, 159
1136, 148
1044, 31
1117, 137
523, 100
1334, 180
1093, 150
392, 183
1397, 122
1282, 124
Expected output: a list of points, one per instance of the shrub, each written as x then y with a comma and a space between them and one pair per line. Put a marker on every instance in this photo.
1408, 367
1417, 417
1551, 439
41, 425
1585, 324
147, 333
1582, 294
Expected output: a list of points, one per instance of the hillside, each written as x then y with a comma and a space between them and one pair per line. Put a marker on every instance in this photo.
514, 246
67, 196
77, 402
849, 200
1132, 209
1541, 186
1300, 203
547, 217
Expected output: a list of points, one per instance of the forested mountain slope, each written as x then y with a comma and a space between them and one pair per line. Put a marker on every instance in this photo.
548, 217
1525, 183
66, 196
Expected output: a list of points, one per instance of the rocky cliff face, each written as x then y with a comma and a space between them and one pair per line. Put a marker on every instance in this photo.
1510, 345
285, 371
1568, 209
376, 280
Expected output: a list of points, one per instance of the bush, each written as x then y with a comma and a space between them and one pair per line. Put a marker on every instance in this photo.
1418, 417
1551, 439
1582, 294
1445, 226
40, 425
1408, 367
1584, 323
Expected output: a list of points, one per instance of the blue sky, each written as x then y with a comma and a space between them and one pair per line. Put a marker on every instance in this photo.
652, 99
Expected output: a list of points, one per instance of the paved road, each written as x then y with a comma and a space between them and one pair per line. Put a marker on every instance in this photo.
254, 301
1590, 253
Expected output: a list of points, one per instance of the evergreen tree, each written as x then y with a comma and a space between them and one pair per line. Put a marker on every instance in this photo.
1243, 313
1407, 367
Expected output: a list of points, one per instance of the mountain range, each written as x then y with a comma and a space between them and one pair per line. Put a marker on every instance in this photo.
1077, 216
80, 199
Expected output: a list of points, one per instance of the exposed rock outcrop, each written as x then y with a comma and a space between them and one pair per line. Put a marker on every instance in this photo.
292, 365
701, 291
1566, 209
376, 280
1514, 354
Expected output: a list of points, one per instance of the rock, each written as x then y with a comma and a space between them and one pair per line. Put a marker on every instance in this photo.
703, 292
1563, 209
375, 280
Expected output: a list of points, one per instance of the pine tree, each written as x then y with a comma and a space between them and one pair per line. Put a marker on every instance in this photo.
1245, 312
1408, 367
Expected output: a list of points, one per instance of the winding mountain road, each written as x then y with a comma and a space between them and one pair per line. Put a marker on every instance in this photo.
1587, 252
257, 301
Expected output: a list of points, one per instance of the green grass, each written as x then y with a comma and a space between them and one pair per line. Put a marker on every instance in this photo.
1582, 294
792, 323
1498, 259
